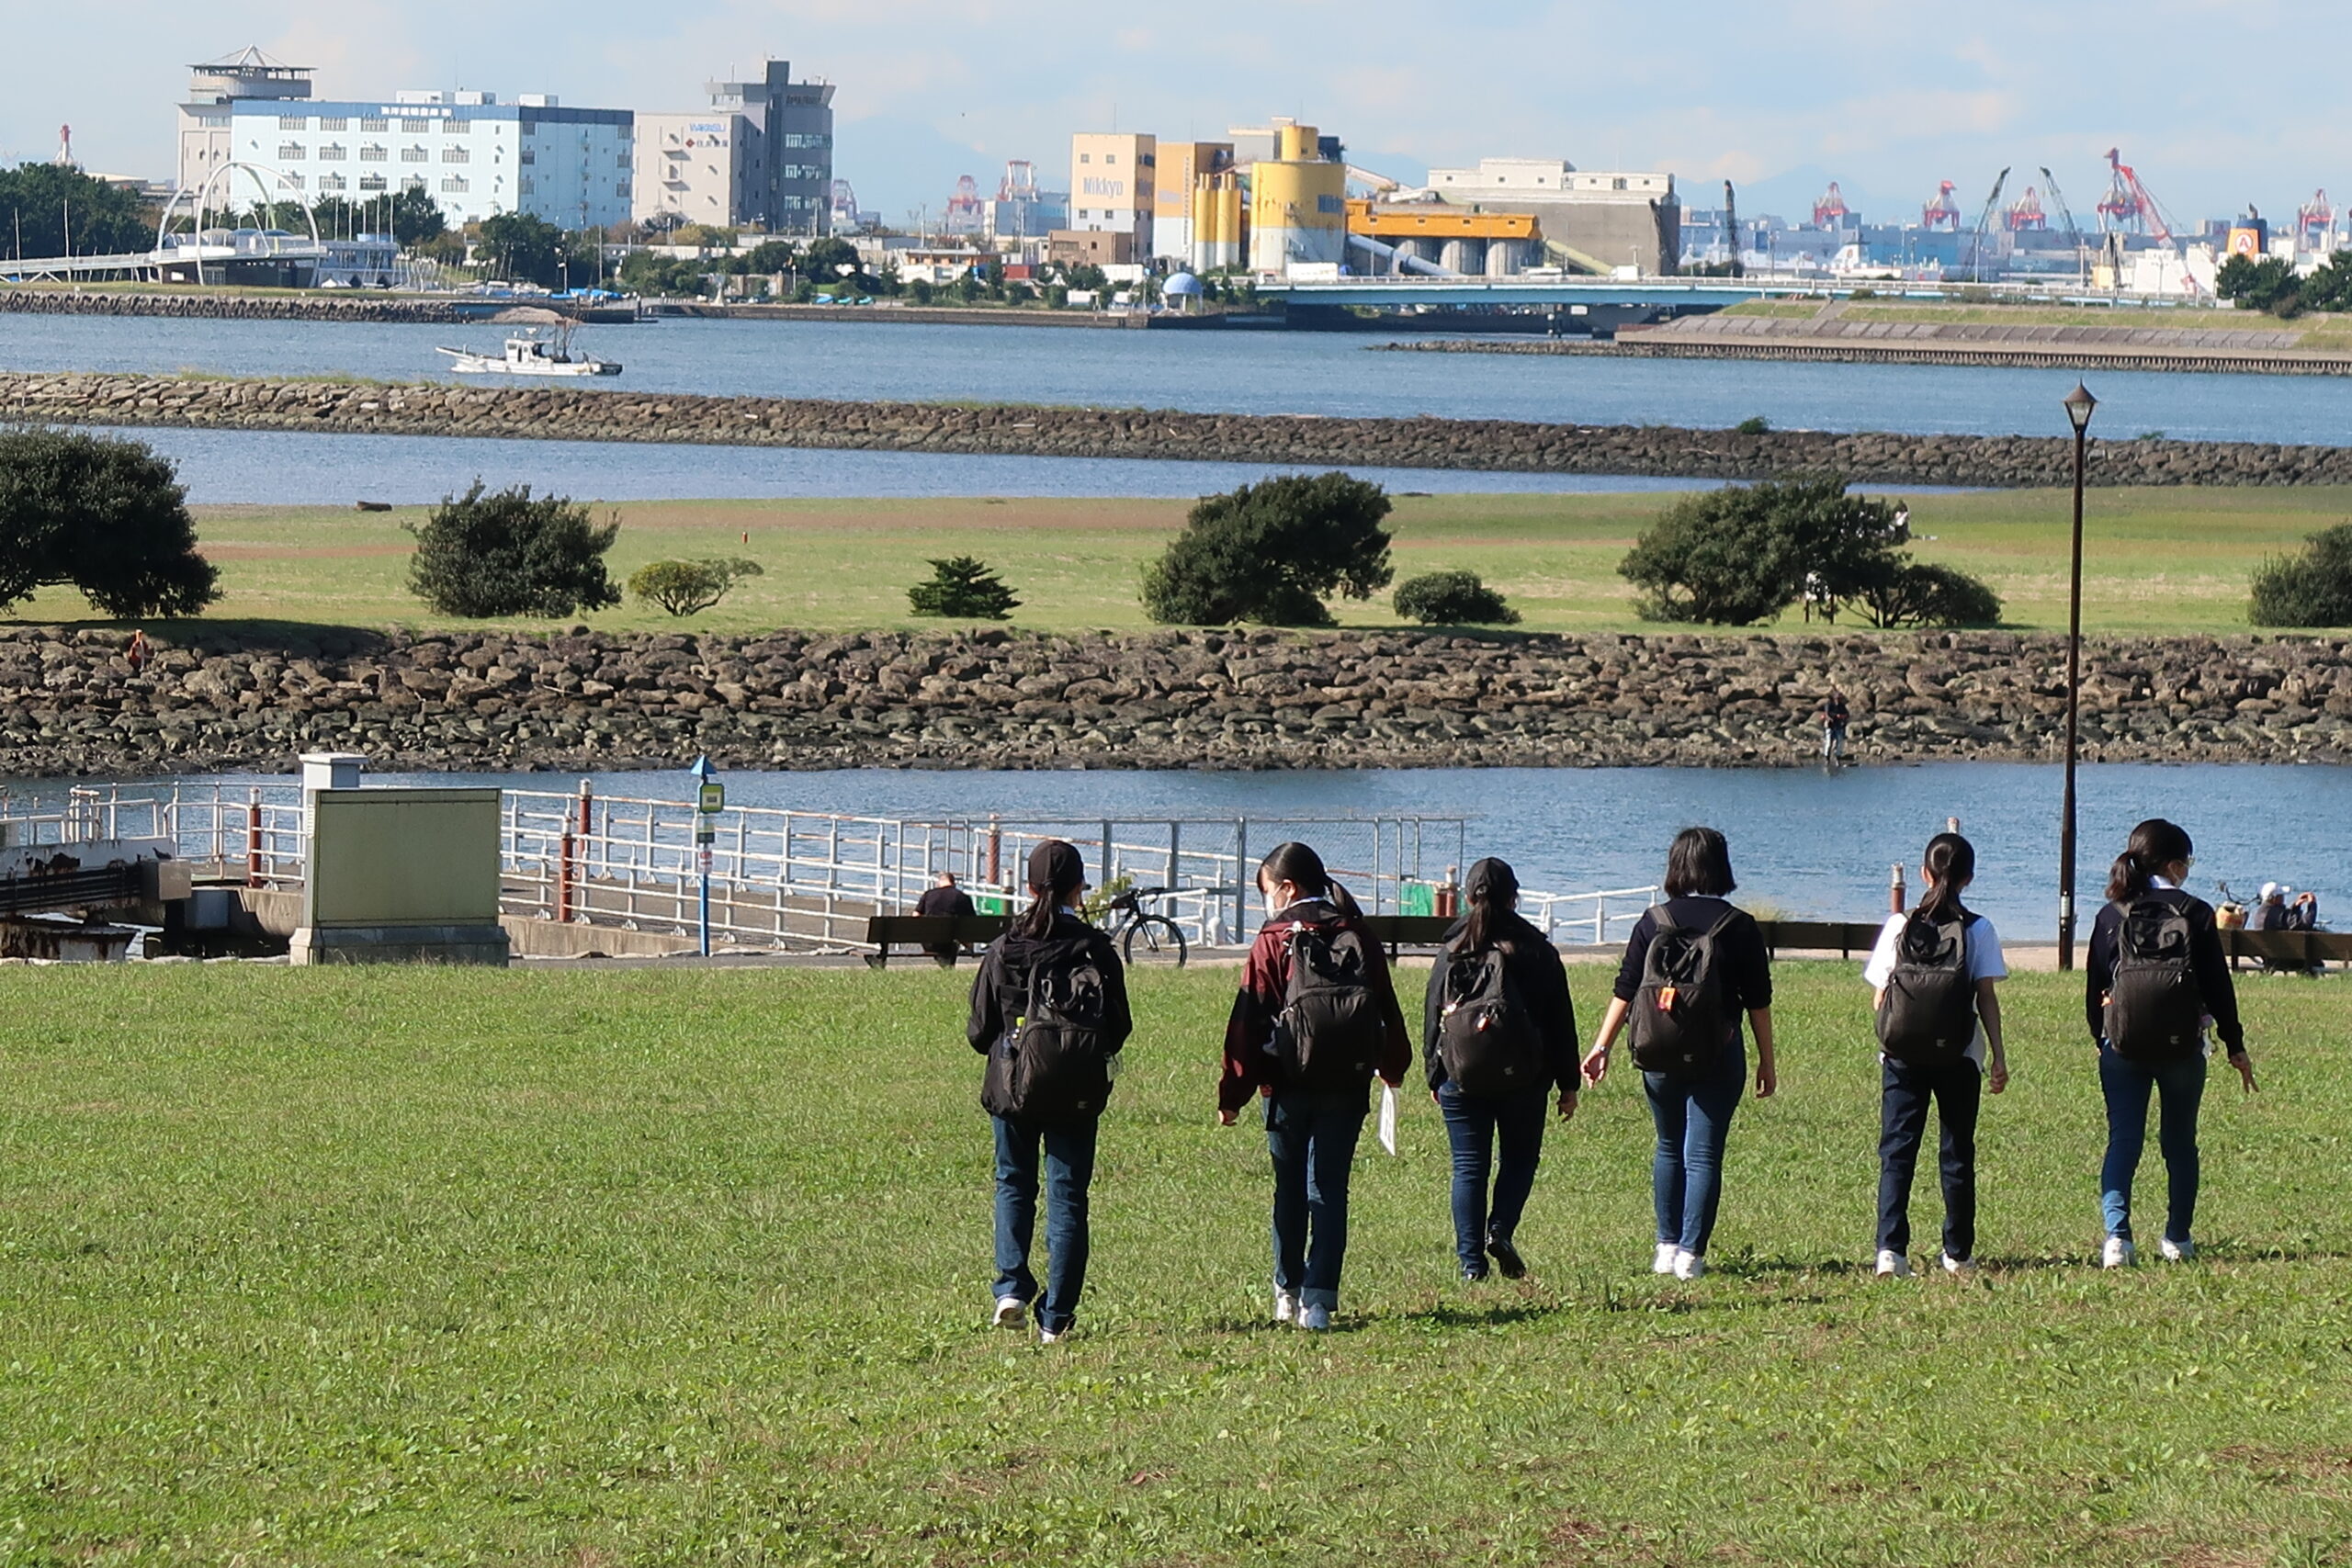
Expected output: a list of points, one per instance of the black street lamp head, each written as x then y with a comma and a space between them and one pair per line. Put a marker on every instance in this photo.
2079, 404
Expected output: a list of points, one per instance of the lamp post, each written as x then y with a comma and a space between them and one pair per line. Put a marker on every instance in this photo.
2079, 405
710, 799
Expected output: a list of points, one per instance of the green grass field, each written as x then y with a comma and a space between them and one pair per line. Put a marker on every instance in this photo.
691, 1268
2159, 561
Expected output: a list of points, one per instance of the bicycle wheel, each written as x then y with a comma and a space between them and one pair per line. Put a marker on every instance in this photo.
1155, 936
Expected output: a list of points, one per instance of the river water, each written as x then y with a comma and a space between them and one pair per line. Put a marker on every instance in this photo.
1813, 844
1238, 371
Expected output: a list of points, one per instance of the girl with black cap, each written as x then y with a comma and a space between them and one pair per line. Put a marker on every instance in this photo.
1498, 1036
1315, 1018
1049, 1010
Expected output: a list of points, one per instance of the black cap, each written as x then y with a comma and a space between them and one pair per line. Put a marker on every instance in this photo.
1057, 866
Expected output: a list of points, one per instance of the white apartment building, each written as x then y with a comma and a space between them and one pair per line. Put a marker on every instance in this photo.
475, 156
1114, 184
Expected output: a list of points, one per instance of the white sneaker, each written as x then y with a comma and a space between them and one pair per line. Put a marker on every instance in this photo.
1958, 1265
1687, 1264
1314, 1319
1012, 1311
2172, 1251
1285, 1307
1051, 1336
2119, 1254
1893, 1265
1664, 1262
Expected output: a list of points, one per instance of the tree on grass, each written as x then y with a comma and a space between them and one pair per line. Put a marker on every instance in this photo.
415, 218
518, 247
510, 553
1273, 552
105, 515
1742, 554
2311, 589
965, 588
2266, 284
1453, 599
689, 587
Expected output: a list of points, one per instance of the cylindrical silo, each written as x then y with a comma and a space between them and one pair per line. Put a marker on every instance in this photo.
1298, 209
1465, 255
1502, 258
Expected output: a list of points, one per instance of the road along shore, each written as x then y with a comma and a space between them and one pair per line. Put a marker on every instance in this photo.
1001, 698
571, 414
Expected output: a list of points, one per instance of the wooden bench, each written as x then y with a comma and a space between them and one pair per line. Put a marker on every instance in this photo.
2294, 950
885, 931
1845, 938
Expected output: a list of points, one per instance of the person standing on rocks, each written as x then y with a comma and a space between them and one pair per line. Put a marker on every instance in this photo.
137, 653
943, 900
1692, 966
1833, 718
1315, 1018
1498, 1034
1932, 978
1049, 1011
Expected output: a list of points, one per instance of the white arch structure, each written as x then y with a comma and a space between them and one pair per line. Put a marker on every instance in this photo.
268, 182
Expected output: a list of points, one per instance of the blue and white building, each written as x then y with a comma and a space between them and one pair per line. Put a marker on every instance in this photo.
474, 155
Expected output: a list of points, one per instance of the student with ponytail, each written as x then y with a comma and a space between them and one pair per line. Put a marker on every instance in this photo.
1315, 1018
1498, 1037
1049, 1011
1932, 978
2156, 987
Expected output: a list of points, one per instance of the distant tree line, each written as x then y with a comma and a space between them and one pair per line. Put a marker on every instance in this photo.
47, 204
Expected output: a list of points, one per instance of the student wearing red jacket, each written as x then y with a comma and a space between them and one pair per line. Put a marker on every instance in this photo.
1310, 1044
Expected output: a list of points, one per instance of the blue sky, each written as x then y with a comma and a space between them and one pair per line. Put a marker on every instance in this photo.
2205, 97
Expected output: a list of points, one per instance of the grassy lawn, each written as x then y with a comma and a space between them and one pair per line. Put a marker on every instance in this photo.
2164, 560
691, 1268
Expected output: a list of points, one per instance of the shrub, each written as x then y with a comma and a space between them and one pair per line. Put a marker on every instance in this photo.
2266, 284
1921, 593
1453, 599
1754, 425
963, 587
108, 516
509, 553
2312, 588
689, 587
1272, 552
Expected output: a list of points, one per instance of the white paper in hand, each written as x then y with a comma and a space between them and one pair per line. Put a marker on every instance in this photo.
1388, 1118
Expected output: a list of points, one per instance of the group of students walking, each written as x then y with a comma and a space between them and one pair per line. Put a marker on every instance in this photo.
1317, 1020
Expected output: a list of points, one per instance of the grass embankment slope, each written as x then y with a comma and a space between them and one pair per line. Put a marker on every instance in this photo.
691, 1268
2316, 331
2158, 562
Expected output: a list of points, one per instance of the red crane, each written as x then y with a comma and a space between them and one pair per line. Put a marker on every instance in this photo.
1830, 212
1020, 183
2131, 205
1941, 213
2315, 222
2026, 212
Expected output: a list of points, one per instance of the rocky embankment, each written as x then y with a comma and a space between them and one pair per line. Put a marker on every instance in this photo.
577, 414
216, 306
70, 703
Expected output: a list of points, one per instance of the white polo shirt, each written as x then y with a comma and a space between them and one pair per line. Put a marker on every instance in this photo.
1981, 944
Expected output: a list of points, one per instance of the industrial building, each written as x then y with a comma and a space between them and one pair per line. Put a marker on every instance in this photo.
759, 155
1298, 204
1114, 186
472, 153
1590, 222
1181, 168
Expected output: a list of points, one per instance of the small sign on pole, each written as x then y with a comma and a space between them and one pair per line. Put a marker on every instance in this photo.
710, 800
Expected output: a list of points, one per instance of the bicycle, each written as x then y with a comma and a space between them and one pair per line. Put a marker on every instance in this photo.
1139, 929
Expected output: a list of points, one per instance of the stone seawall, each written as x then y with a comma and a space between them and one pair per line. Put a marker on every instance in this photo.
576, 414
215, 306
70, 704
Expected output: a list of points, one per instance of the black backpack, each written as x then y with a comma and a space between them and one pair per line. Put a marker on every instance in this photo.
1682, 1020
2154, 1012
1487, 1040
1052, 1064
1929, 1015
1329, 1033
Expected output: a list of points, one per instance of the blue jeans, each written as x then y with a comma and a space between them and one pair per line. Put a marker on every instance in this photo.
1312, 1139
1957, 1090
2180, 1087
1474, 1124
1693, 1117
1068, 1150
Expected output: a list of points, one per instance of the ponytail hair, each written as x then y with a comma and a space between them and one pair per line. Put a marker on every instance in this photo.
1036, 921
1492, 891
1950, 864
2153, 845
1302, 868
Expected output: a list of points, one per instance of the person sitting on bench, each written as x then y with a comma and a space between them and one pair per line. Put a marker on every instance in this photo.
944, 899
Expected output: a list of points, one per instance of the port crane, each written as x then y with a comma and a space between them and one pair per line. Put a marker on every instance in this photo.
2026, 212
1984, 223
1830, 212
2315, 223
1941, 213
2066, 216
2131, 205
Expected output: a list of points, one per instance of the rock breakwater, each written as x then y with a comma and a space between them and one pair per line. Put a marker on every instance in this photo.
71, 704
214, 306
577, 414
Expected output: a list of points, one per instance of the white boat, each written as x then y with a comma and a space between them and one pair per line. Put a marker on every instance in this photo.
542, 347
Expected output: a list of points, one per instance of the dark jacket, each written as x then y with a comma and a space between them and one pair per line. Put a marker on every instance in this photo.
1748, 967
1001, 990
2205, 958
949, 901
1249, 1068
1542, 981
